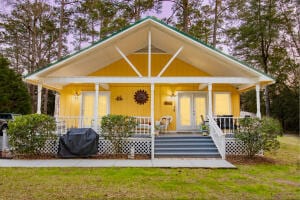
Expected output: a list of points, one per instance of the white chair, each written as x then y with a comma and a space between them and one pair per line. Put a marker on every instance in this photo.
164, 123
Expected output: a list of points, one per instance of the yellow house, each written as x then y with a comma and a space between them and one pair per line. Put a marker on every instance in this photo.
148, 70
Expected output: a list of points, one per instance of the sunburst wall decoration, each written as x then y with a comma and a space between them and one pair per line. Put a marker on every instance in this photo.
141, 97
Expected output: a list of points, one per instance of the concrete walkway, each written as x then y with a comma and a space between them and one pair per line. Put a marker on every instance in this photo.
166, 163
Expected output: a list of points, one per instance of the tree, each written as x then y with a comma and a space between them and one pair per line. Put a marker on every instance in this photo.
261, 38
96, 18
14, 97
201, 19
257, 36
132, 10
80, 32
30, 35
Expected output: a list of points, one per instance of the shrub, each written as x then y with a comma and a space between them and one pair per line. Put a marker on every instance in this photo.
259, 134
116, 128
28, 133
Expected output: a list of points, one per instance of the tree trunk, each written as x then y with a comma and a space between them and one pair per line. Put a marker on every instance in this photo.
217, 4
45, 106
267, 101
185, 19
61, 26
93, 32
138, 11
32, 89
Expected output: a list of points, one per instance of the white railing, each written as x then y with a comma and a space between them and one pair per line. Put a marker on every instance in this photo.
217, 136
227, 124
143, 125
63, 124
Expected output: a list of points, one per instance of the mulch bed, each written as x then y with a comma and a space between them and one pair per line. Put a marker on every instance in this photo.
98, 156
244, 160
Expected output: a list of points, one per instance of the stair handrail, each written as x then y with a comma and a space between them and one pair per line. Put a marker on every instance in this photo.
217, 135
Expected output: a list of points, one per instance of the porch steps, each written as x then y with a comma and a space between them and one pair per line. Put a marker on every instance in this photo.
185, 146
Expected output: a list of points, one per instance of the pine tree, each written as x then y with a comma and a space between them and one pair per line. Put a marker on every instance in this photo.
14, 97
257, 36
264, 39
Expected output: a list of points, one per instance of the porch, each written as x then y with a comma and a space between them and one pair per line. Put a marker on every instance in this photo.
166, 143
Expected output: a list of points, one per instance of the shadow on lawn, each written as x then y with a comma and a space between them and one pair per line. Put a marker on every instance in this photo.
244, 160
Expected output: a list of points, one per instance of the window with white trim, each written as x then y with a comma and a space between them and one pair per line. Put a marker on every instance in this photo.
222, 103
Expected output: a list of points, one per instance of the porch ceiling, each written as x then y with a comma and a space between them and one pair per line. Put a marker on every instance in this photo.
135, 38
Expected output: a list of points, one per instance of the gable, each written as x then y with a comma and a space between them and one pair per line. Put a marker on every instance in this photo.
140, 61
197, 56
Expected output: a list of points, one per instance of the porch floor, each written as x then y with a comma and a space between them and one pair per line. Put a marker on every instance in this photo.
162, 163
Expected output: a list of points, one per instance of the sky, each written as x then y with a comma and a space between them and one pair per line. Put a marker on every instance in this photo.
166, 11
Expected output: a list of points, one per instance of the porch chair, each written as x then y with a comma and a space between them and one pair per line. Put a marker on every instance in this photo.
164, 123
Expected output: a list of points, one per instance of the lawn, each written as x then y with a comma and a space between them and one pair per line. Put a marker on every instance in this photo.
279, 179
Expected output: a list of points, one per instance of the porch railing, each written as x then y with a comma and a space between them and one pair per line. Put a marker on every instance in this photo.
228, 124
217, 135
143, 125
63, 124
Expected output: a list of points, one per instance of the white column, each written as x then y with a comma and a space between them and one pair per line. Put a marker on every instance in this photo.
149, 54
210, 112
152, 121
39, 98
258, 114
96, 106
4, 140
56, 105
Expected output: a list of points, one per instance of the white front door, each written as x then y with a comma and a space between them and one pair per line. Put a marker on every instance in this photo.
88, 105
191, 105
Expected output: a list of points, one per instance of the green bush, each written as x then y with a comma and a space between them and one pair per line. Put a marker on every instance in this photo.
28, 133
116, 128
259, 134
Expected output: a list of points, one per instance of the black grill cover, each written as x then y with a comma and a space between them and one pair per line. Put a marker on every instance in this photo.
78, 142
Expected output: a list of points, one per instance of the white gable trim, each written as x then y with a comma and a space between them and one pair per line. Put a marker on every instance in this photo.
189, 79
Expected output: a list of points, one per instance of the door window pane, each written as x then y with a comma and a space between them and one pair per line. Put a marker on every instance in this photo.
102, 105
200, 109
88, 109
185, 110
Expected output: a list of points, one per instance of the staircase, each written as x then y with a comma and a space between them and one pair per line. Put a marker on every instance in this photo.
189, 146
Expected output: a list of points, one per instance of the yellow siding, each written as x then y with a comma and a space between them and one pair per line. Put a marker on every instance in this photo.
70, 106
140, 61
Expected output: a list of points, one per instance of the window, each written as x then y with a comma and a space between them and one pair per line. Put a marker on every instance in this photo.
222, 103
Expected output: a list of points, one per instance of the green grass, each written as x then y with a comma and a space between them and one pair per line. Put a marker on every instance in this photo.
261, 181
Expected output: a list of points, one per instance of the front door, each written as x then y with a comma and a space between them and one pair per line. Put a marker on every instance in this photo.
191, 105
88, 105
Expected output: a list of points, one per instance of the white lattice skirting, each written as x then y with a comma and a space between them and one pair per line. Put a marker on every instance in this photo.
234, 147
140, 145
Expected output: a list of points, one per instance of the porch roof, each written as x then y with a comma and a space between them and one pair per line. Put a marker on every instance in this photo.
134, 39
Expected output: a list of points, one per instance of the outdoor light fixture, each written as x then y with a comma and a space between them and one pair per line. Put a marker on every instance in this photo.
76, 94
173, 98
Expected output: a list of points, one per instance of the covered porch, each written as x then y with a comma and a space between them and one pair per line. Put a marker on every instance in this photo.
178, 107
